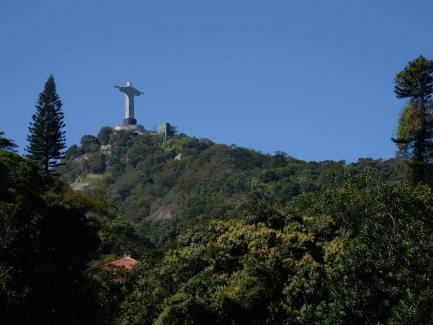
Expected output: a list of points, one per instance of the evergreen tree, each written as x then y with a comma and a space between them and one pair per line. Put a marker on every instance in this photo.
6, 144
415, 130
46, 137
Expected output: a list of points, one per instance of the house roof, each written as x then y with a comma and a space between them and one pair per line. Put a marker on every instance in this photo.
125, 262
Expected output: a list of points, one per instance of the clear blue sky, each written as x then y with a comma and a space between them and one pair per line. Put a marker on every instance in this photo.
311, 78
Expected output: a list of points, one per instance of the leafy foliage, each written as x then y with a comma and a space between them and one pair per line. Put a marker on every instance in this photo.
346, 256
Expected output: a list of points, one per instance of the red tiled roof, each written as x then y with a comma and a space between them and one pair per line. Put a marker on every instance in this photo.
125, 262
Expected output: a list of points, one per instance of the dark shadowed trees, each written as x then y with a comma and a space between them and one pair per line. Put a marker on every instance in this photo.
6, 144
46, 241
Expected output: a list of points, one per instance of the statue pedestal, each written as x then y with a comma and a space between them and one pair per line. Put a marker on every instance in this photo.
124, 127
135, 128
130, 121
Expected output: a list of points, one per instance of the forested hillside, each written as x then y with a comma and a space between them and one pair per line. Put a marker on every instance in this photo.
228, 235
222, 234
162, 187
357, 253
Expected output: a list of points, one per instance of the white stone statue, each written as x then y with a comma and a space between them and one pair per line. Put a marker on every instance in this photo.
130, 92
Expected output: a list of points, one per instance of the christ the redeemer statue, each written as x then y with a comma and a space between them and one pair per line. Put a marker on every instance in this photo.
130, 91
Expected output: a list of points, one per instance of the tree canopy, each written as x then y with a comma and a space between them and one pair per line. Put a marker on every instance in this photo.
415, 128
352, 255
6, 144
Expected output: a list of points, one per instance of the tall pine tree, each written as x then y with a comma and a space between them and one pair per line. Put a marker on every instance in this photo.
415, 129
46, 136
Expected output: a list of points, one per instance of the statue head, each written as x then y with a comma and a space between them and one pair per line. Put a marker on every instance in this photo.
129, 83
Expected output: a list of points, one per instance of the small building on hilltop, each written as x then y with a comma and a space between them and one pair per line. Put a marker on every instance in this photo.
167, 131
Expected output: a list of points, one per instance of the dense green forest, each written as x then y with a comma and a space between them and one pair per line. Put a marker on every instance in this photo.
223, 234
356, 252
161, 188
